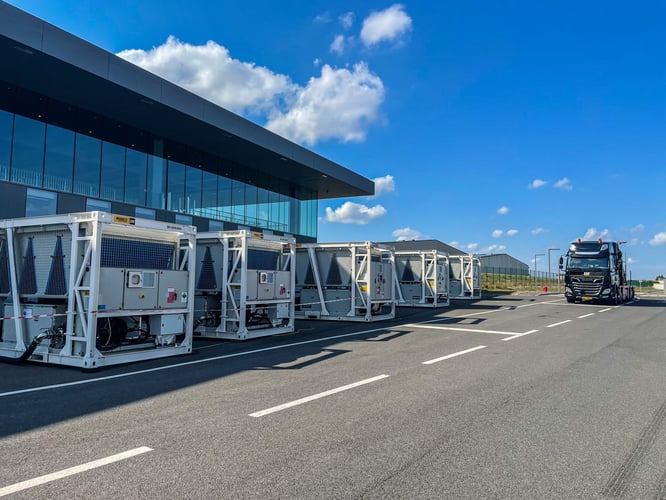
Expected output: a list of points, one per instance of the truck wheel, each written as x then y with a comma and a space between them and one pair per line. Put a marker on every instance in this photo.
570, 300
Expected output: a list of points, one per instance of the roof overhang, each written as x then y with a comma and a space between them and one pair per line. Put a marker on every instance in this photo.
49, 61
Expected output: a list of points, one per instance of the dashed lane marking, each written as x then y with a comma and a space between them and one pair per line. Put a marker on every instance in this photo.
31, 483
307, 399
455, 354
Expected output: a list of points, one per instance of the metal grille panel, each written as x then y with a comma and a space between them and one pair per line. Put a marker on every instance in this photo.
118, 252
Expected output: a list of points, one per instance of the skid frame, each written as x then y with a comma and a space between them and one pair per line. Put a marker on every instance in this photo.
369, 294
430, 286
226, 310
83, 309
465, 277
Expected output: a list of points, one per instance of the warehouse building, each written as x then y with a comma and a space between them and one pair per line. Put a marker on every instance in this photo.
503, 263
82, 129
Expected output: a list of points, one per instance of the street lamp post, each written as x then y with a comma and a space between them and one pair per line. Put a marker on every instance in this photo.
535, 268
549, 272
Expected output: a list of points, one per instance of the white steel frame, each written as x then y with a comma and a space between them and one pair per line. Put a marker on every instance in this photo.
360, 298
233, 324
87, 229
470, 276
429, 279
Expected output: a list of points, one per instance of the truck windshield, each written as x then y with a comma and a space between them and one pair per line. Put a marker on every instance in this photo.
588, 263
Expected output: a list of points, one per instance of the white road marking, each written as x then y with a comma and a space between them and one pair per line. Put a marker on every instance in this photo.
560, 323
586, 315
458, 329
604, 310
436, 360
518, 335
316, 396
24, 485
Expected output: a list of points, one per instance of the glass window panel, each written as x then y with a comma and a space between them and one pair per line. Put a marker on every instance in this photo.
216, 225
193, 190
156, 182
59, 159
224, 198
184, 219
39, 202
135, 177
113, 172
87, 160
251, 205
238, 202
209, 196
263, 210
102, 206
144, 213
28, 151
274, 207
176, 187
6, 130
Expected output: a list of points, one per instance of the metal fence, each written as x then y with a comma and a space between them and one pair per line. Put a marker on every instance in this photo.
499, 278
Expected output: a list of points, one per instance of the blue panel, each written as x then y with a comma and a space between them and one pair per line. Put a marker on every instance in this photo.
136, 254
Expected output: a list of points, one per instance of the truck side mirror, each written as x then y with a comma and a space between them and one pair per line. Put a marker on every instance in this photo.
561, 262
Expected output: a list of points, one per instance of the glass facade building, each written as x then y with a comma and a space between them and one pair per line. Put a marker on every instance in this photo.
53, 148
82, 129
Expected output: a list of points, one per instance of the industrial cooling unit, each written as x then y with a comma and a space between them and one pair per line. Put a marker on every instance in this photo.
422, 278
94, 289
245, 284
345, 281
465, 277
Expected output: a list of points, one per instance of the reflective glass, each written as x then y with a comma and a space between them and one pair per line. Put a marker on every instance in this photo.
209, 196
193, 190
251, 205
38, 202
59, 159
28, 151
144, 213
102, 206
87, 160
238, 202
135, 177
263, 213
6, 129
113, 172
184, 219
176, 187
156, 182
224, 195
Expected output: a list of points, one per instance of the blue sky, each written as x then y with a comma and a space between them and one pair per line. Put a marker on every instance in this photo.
498, 127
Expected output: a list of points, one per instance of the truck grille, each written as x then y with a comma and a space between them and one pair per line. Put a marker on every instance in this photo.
587, 286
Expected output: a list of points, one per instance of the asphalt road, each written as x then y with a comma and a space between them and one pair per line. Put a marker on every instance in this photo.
510, 397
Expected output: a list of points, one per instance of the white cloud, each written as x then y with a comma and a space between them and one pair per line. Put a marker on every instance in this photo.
316, 62
536, 183
347, 20
337, 45
338, 104
407, 234
512, 232
493, 249
384, 185
354, 213
593, 234
497, 233
538, 230
471, 247
454, 243
503, 210
564, 183
658, 239
631, 260
210, 71
386, 25
324, 17
638, 228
